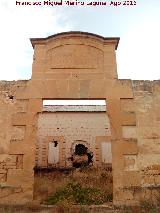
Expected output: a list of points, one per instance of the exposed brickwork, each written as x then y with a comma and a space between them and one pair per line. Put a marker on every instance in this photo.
75, 128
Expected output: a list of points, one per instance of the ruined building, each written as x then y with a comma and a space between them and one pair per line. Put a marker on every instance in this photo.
125, 132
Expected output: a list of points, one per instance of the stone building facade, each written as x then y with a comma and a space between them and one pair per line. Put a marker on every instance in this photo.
76, 65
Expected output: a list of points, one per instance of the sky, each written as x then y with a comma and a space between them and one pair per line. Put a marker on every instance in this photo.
73, 102
137, 26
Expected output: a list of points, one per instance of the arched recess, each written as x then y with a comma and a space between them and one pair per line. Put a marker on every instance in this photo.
76, 142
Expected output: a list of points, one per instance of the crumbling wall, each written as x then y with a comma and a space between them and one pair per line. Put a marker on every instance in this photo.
6, 110
12, 142
147, 107
141, 170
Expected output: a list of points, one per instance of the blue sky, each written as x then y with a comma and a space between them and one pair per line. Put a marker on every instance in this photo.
137, 26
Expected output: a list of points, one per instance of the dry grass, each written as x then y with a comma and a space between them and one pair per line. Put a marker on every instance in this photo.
47, 184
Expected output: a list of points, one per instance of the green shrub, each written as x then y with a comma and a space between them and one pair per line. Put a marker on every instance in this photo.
74, 193
109, 197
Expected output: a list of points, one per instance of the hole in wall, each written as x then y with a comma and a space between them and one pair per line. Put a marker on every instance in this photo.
82, 156
80, 149
55, 143
11, 97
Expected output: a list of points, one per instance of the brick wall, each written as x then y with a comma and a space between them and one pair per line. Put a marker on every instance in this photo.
72, 126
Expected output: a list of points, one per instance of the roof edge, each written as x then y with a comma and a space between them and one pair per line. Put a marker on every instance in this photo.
40, 40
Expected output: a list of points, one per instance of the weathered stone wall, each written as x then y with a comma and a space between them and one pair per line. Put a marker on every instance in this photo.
141, 172
15, 180
147, 107
81, 66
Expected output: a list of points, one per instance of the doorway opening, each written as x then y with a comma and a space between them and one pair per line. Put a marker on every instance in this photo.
80, 129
